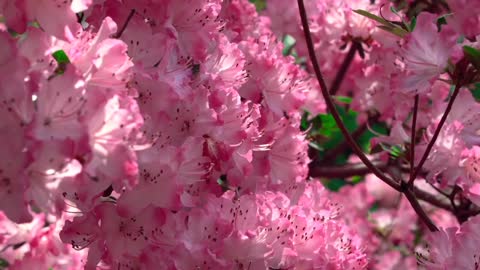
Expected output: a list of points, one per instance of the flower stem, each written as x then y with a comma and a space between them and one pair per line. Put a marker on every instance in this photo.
124, 26
437, 131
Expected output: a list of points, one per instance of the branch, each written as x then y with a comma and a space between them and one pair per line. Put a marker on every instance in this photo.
124, 26
344, 171
432, 199
397, 185
418, 209
412, 141
337, 82
350, 170
437, 131
406, 189
331, 106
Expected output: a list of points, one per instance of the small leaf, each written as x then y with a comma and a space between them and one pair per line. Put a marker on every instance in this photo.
316, 146
400, 32
373, 17
34, 24
62, 60
334, 184
3, 263
375, 207
357, 179
473, 55
343, 99
288, 43
386, 25
404, 24
396, 151
392, 9
259, 4
442, 20
412, 25
61, 57
476, 92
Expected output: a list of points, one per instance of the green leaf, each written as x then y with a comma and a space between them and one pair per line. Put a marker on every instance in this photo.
375, 207
34, 24
334, 184
4, 263
329, 130
259, 4
385, 25
473, 55
373, 17
62, 61
343, 99
223, 183
442, 20
476, 92
397, 31
405, 24
412, 25
357, 179
61, 57
366, 137
288, 43
396, 151
315, 146
392, 9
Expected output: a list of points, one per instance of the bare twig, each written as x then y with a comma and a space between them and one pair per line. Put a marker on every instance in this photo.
124, 26
412, 141
331, 106
347, 61
345, 170
437, 131
418, 209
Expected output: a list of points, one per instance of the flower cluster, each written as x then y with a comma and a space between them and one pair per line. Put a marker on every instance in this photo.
167, 134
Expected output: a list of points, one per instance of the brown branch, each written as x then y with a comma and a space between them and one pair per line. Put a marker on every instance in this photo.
397, 185
412, 141
344, 171
331, 105
342, 72
349, 170
124, 26
418, 209
432, 199
437, 131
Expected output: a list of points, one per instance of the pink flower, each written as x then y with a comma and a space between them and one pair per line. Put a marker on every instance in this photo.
57, 18
454, 248
112, 128
425, 54
465, 17
60, 103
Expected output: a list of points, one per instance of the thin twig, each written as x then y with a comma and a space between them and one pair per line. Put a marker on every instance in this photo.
347, 61
412, 141
331, 106
437, 131
419, 210
432, 199
344, 171
349, 170
124, 26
